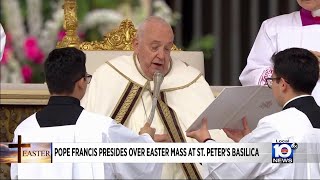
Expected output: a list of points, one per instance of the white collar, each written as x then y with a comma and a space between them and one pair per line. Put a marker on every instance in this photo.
305, 95
137, 64
316, 13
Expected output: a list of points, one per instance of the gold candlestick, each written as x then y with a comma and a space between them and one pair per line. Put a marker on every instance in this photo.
70, 25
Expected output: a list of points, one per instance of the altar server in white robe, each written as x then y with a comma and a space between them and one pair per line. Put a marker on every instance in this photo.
126, 83
298, 29
2, 41
294, 77
64, 120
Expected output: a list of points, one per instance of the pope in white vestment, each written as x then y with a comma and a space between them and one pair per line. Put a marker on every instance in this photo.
118, 89
298, 29
122, 89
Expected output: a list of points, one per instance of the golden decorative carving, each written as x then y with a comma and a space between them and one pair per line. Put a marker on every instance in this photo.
175, 48
11, 116
70, 25
118, 39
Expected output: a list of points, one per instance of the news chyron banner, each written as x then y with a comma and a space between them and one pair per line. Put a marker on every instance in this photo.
280, 151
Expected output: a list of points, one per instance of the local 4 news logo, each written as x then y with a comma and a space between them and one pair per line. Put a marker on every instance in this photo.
282, 152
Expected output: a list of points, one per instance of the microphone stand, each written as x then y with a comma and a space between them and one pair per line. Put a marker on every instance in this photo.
157, 80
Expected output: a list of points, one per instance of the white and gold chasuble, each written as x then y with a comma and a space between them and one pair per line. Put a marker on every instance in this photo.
120, 91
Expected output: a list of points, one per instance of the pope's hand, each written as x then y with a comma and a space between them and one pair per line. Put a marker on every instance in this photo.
148, 129
162, 138
235, 134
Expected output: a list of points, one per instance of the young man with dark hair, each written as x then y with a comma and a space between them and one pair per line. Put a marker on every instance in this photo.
64, 120
299, 69
295, 74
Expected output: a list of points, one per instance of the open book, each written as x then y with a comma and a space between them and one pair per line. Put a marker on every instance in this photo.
227, 110
304, 37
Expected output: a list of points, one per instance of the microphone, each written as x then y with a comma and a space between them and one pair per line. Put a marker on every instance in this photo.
157, 80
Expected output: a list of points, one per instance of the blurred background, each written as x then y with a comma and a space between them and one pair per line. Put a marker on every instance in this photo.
223, 29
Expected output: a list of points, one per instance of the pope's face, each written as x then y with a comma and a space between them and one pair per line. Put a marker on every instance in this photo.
153, 49
310, 5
